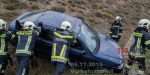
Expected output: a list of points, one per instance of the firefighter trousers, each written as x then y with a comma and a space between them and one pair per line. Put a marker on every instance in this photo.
23, 65
116, 39
60, 67
3, 64
141, 63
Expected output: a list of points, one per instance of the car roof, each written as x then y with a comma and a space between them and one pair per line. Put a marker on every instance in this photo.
52, 18
56, 18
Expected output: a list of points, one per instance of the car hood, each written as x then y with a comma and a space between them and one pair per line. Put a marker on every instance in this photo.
109, 50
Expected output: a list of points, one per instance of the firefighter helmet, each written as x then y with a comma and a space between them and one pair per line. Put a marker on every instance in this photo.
144, 23
65, 25
2, 24
118, 18
28, 25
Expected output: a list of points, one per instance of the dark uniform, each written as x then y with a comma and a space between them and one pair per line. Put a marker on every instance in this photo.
116, 31
61, 46
26, 40
137, 50
5, 37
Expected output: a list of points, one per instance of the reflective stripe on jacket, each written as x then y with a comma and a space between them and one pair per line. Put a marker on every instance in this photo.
142, 39
61, 45
116, 30
26, 40
5, 37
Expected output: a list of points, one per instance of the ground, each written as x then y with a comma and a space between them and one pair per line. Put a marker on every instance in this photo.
99, 14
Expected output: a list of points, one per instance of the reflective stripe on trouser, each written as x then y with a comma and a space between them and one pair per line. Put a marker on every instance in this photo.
140, 72
114, 36
23, 65
3, 65
127, 66
23, 51
137, 55
147, 42
120, 34
61, 56
141, 63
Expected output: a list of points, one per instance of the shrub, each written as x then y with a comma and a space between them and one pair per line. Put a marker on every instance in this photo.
72, 9
95, 6
80, 17
79, 2
8, 15
35, 7
10, 1
107, 15
23, 6
58, 8
11, 7
98, 14
110, 11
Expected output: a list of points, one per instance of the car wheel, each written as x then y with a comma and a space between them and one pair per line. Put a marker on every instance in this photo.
118, 70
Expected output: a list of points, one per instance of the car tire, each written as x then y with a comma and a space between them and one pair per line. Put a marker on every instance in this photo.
118, 70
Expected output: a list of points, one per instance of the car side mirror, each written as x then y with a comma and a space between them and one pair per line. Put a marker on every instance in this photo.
83, 52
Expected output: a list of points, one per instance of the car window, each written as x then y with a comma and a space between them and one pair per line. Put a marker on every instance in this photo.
30, 17
71, 20
88, 37
77, 45
47, 33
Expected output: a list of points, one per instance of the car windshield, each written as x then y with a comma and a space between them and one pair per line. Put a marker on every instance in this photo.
88, 37
30, 17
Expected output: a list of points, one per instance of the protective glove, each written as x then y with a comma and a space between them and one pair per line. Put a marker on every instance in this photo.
74, 35
35, 28
119, 36
13, 32
40, 24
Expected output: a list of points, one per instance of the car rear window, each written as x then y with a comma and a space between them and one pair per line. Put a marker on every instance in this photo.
30, 17
72, 20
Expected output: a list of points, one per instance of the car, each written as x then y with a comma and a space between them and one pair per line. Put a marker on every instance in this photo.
92, 50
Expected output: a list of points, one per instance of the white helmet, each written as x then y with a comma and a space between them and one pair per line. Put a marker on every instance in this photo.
118, 18
144, 23
28, 25
65, 25
2, 24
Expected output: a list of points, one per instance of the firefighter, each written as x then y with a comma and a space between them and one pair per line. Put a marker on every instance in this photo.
26, 40
61, 44
5, 37
116, 29
141, 40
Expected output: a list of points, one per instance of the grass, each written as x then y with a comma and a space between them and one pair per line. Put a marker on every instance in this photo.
23, 6
58, 8
7, 16
10, 1
93, 12
47, 68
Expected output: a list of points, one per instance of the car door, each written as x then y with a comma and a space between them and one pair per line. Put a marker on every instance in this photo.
43, 44
80, 57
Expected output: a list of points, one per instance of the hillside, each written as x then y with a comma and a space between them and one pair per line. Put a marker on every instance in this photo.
99, 14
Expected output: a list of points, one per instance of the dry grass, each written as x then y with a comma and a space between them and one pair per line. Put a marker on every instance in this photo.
97, 13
